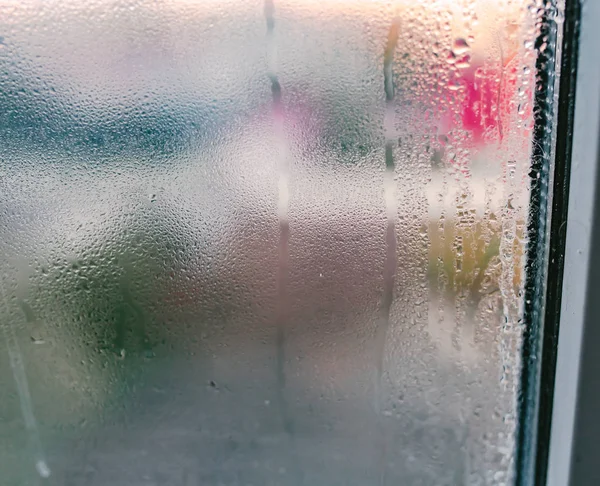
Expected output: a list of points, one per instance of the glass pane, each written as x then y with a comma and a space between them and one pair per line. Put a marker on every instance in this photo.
276, 243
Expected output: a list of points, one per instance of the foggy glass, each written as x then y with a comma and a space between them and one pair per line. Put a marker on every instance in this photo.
263, 243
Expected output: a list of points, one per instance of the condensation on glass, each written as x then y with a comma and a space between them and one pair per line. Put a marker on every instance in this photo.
263, 243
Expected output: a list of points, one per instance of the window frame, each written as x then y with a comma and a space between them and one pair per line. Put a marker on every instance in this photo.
568, 428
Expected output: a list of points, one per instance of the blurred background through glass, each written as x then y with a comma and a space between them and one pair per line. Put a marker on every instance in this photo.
262, 243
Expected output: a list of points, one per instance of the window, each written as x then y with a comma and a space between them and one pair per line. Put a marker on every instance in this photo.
283, 242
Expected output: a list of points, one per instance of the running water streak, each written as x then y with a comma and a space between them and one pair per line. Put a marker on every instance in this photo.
282, 214
390, 265
389, 270
20, 376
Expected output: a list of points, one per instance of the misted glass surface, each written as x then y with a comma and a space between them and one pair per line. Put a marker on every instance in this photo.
262, 243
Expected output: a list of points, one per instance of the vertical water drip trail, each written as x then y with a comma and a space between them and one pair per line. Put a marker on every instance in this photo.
18, 369
390, 265
284, 228
500, 85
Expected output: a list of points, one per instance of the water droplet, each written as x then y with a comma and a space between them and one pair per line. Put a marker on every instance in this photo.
454, 86
460, 46
522, 108
464, 62
42, 469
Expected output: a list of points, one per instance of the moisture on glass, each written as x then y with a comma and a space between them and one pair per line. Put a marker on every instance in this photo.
263, 243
